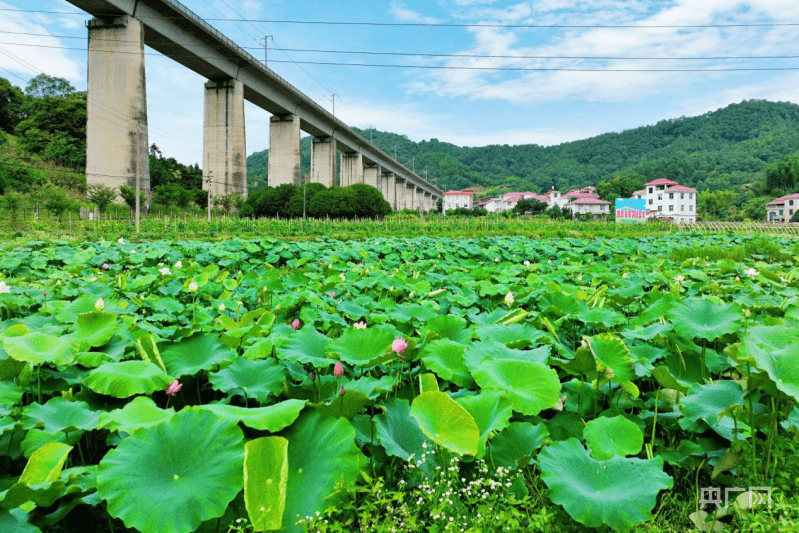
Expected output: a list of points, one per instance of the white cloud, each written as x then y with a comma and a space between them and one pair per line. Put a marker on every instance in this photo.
403, 14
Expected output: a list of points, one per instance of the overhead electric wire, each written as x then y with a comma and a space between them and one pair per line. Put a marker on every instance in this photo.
443, 24
420, 54
453, 67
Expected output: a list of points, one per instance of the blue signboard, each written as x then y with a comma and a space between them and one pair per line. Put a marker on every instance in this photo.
630, 210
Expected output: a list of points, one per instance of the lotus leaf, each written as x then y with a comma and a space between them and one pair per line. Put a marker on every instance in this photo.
188, 468
93, 329
126, 379
775, 350
707, 402
701, 318
266, 469
362, 347
140, 413
58, 414
514, 446
619, 492
614, 354
255, 379
322, 454
307, 346
37, 348
607, 437
201, 351
445, 358
397, 431
491, 411
445, 422
272, 418
531, 387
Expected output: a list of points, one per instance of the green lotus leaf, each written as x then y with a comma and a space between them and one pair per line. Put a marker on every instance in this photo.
170, 477
346, 406
126, 379
614, 354
512, 335
272, 418
446, 423
201, 351
449, 327
372, 387
58, 414
664, 378
445, 358
93, 359
37, 348
93, 329
256, 379
362, 347
428, 382
397, 431
322, 456
607, 437
701, 318
514, 446
266, 472
531, 387
36, 438
10, 395
491, 411
9, 522
140, 413
775, 350
307, 346
600, 317
43, 468
707, 402
492, 350
619, 492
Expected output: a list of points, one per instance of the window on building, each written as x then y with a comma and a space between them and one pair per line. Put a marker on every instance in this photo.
790, 211
690, 208
651, 190
682, 195
790, 202
660, 208
671, 207
682, 208
780, 212
660, 196
650, 201
690, 195
671, 196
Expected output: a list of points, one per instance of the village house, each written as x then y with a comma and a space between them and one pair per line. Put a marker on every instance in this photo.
668, 200
782, 209
456, 199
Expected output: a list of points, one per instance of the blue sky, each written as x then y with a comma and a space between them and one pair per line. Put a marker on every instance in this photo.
464, 107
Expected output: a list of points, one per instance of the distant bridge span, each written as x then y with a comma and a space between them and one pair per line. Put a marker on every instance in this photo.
117, 144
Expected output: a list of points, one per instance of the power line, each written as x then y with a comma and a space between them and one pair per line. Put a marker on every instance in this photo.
443, 24
423, 54
447, 67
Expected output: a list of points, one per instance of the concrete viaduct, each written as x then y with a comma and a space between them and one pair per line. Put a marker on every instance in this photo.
117, 145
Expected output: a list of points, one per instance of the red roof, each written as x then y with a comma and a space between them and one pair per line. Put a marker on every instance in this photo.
782, 199
662, 181
680, 188
578, 194
458, 193
589, 201
540, 197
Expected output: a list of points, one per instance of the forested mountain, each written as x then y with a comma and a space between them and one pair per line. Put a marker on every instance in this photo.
719, 150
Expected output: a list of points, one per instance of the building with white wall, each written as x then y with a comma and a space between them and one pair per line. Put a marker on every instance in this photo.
782, 209
668, 200
456, 199
589, 206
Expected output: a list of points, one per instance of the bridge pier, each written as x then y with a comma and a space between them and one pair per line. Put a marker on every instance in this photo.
371, 175
428, 206
323, 161
284, 151
410, 196
389, 189
116, 129
351, 168
224, 138
399, 193
419, 196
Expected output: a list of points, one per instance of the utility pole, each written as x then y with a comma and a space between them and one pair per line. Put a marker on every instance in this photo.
210, 175
333, 97
395, 151
139, 169
304, 188
266, 47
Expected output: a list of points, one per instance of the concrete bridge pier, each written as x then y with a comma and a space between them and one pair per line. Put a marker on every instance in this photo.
389, 189
428, 201
323, 161
117, 148
224, 138
419, 196
284, 150
371, 175
399, 193
410, 195
351, 168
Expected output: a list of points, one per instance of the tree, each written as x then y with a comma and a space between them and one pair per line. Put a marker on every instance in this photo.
55, 128
783, 174
102, 195
11, 100
795, 217
55, 199
529, 206
129, 195
44, 86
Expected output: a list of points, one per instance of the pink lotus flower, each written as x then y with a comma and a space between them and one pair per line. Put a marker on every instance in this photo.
333, 294
341, 391
399, 346
295, 324
359, 325
105, 266
174, 388
338, 370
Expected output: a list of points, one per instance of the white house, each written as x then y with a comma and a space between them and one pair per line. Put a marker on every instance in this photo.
782, 209
589, 206
668, 200
456, 199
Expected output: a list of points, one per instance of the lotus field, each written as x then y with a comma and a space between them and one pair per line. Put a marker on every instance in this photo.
170, 387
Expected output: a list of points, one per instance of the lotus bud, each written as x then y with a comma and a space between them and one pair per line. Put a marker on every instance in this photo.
341, 391
99, 305
295, 324
174, 387
312, 376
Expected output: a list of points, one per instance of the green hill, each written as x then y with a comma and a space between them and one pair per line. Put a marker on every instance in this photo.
722, 149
